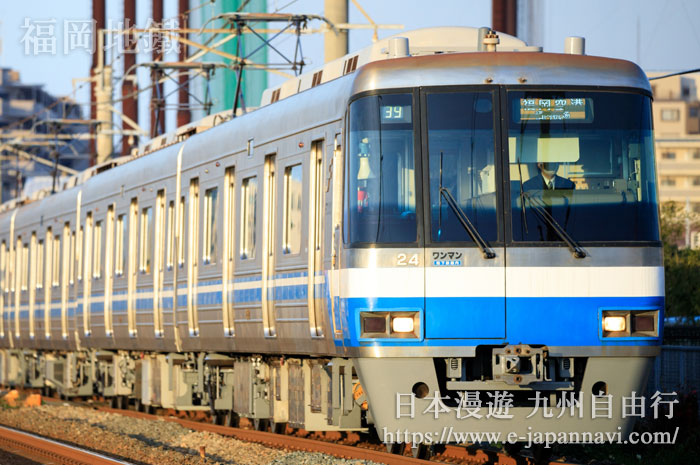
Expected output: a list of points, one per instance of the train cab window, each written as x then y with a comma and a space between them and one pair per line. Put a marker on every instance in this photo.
462, 168
581, 162
120, 245
249, 200
56, 262
293, 198
210, 236
38, 261
97, 251
380, 194
145, 243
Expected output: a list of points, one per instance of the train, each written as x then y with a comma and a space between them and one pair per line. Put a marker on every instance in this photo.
448, 230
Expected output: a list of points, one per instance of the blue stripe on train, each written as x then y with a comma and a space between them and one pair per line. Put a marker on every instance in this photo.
555, 321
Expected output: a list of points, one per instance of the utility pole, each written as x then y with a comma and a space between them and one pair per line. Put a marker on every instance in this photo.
335, 42
98, 16
130, 102
504, 16
183, 98
157, 97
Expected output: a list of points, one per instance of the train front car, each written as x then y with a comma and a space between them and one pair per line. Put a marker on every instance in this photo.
501, 268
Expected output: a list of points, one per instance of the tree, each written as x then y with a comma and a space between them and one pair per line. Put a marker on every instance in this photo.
682, 266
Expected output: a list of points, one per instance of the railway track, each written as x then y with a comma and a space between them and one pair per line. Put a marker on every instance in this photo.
58, 453
455, 454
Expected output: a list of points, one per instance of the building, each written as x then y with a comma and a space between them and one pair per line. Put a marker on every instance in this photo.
677, 138
222, 86
30, 118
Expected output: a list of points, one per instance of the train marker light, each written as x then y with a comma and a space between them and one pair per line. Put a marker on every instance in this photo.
614, 323
374, 324
402, 324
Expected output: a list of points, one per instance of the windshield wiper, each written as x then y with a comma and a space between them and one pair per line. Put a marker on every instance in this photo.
547, 217
468, 226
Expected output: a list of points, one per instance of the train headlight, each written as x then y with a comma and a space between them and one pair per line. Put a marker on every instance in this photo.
614, 323
402, 324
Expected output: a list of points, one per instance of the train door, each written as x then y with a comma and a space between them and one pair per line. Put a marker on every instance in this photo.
268, 252
315, 239
109, 271
464, 255
132, 266
192, 268
229, 258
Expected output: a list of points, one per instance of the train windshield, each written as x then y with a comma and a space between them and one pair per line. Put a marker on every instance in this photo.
380, 189
582, 161
579, 165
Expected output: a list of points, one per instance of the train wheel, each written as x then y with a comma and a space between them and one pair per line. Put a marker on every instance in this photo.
278, 428
261, 424
421, 451
396, 448
232, 419
113, 402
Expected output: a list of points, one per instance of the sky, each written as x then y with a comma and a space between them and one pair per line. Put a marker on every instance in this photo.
656, 34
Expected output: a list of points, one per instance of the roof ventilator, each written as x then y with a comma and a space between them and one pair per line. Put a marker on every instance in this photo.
398, 47
575, 46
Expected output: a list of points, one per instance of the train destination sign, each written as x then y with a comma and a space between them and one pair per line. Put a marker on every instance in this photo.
396, 113
541, 109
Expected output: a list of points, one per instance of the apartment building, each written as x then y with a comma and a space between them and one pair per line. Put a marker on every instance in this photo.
677, 138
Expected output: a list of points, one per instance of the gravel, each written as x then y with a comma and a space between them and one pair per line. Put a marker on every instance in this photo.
151, 441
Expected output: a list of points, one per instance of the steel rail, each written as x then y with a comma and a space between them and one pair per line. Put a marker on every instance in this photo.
57, 452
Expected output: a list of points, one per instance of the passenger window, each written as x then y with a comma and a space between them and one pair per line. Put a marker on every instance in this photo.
71, 273
3, 267
293, 192
79, 253
248, 218
181, 232
170, 235
120, 245
194, 221
39, 262
88, 247
229, 218
25, 267
97, 251
146, 228
56, 261
210, 237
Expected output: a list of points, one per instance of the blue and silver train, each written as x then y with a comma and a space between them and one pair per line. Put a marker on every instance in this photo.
445, 230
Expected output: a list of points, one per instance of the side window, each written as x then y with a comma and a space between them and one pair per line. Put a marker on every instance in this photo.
97, 251
79, 253
56, 262
249, 197
25, 266
170, 235
38, 260
193, 238
181, 232
146, 233
229, 217
293, 192
210, 234
88, 246
120, 245
3, 267
71, 272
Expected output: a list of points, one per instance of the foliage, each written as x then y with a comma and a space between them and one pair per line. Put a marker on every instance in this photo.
682, 265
